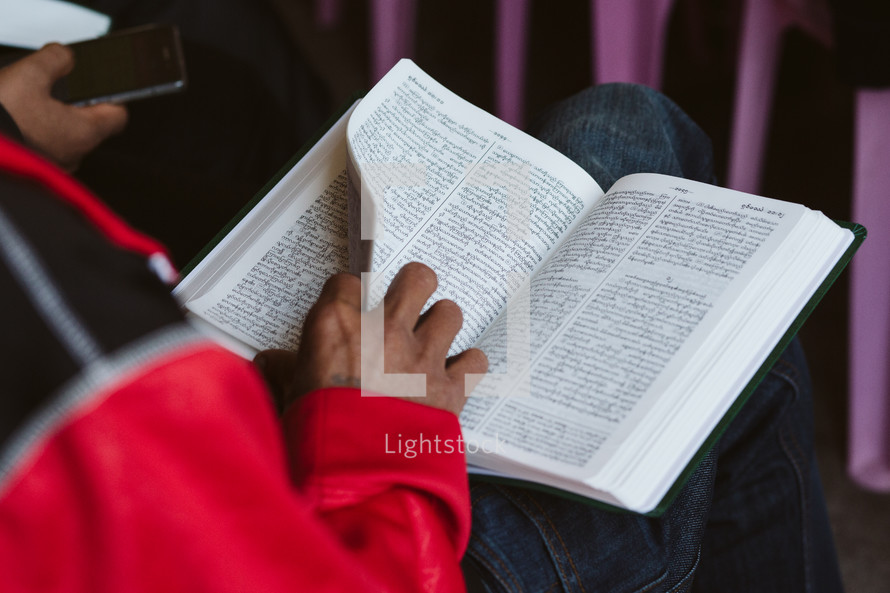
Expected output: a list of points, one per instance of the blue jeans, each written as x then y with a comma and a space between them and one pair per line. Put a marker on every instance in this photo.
751, 518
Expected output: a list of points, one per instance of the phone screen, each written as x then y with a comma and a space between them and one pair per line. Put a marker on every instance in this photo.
124, 66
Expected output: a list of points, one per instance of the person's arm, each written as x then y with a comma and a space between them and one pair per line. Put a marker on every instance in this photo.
135, 455
367, 463
63, 133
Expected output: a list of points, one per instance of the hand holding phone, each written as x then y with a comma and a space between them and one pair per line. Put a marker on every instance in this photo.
91, 76
124, 66
63, 133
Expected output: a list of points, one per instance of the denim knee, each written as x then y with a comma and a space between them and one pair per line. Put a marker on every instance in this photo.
527, 540
616, 129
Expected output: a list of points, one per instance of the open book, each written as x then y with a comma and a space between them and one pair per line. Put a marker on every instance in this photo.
622, 327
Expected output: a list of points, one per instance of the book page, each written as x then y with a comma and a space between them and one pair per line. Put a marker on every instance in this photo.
259, 282
453, 187
621, 315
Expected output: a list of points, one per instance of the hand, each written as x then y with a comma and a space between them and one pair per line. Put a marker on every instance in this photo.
330, 353
63, 133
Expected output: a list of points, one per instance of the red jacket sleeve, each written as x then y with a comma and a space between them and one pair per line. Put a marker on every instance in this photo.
390, 476
174, 477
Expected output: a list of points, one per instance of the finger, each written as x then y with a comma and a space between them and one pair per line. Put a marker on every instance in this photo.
278, 368
342, 287
466, 364
409, 291
276, 365
85, 128
51, 62
335, 320
105, 119
438, 326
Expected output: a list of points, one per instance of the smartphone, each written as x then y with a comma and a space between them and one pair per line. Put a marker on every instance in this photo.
124, 66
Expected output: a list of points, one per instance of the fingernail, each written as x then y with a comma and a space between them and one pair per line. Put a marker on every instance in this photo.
261, 361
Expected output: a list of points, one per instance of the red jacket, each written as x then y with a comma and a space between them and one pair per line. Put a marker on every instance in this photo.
137, 456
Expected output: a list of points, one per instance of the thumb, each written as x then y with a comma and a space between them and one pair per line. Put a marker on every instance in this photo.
52, 62
278, 368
